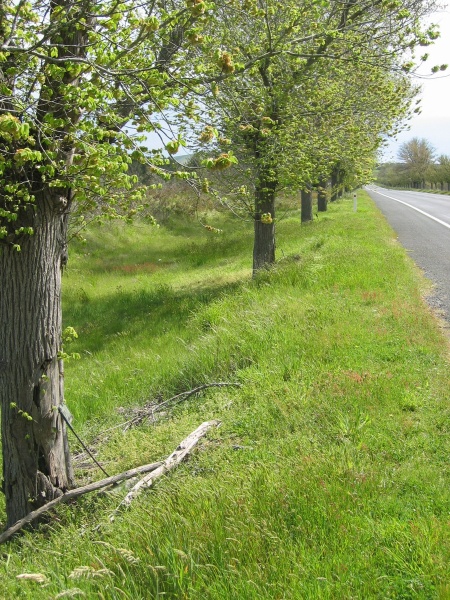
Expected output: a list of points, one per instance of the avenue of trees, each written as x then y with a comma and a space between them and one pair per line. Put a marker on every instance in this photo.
300, 92
418, 167
332, 82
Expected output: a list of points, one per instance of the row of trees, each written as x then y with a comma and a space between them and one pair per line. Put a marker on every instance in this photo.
418, 167
297, 92
315, 107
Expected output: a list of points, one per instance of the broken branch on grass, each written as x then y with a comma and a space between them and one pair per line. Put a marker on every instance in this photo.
184, 448
71, 494
147, 411
158, 469
151, 408
185, 395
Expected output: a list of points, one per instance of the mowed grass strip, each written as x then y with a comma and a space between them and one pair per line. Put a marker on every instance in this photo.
329, 476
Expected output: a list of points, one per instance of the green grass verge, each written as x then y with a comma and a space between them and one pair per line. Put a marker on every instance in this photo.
329, 476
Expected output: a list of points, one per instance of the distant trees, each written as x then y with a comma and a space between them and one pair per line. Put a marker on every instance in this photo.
442, 174
417, 158
418, 167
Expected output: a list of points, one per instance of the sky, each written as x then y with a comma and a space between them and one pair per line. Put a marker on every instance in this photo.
433, 123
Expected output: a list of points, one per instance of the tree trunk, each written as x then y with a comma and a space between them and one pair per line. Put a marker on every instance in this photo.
322, 201
264, 241
307, 205
334, 185
36, 459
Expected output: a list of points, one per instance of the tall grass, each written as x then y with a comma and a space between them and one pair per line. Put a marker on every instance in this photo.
329, 476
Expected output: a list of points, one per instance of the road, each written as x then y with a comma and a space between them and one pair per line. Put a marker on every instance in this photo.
422, 224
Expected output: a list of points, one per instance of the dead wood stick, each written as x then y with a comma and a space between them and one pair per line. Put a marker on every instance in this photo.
71, 494
151, 408
175, 458
185, 395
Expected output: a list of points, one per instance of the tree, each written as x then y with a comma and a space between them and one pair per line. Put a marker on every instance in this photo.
342, 138
443, 171
81, 82
275, 115
306, 205
322, 195
417, 157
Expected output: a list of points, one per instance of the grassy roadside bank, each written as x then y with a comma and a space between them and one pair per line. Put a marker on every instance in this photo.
329, 476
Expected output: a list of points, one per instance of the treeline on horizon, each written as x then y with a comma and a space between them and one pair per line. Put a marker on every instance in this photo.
418, 167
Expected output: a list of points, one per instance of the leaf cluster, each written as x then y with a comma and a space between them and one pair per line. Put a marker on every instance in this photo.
328, 87
82, 84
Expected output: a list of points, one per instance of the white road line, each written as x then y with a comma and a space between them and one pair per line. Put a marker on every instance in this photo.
414, 208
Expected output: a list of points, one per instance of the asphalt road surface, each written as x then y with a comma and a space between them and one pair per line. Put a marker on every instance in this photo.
422, 224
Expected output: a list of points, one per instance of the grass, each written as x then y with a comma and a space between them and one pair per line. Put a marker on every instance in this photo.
329, 476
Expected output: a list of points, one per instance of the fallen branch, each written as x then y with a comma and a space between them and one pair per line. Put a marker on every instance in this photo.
147, 411
154, 470
71, 494
151, 408
185, 395
174, 459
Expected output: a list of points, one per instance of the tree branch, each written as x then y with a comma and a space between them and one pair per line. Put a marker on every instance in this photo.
172, 461
70, 495
154, 470
151, 408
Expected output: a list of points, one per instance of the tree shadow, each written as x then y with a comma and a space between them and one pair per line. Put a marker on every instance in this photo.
101, 320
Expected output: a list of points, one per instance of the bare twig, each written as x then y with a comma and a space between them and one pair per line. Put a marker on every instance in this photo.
71, 494
140, 414
174, 459
185, 395
83, 445
151, 408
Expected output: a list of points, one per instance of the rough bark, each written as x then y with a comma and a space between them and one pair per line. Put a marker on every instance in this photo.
36, 459
322, 200
334, 185
307, 205
264, 240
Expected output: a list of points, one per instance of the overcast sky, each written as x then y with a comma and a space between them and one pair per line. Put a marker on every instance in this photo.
434, 121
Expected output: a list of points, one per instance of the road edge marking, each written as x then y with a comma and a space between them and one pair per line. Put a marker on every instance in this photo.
422, 212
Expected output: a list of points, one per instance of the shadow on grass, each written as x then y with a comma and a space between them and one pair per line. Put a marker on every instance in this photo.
123, 313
